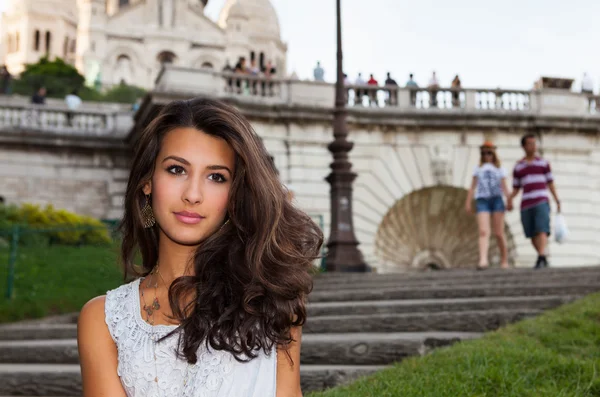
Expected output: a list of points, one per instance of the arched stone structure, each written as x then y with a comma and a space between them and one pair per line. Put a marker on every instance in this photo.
429, 229
123, 71
166, 56
113, 71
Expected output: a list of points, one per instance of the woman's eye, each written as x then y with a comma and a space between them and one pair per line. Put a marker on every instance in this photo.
217, 178
176, 170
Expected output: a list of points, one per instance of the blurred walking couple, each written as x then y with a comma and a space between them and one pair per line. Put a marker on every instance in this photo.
532, 174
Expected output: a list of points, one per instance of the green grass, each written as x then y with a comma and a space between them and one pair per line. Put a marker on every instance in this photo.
554, 355
56, 279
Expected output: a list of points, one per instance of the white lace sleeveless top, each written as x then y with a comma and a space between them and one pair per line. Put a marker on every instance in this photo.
215, 374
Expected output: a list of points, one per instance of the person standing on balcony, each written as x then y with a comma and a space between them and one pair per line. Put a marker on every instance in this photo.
228, 70
269, 71
413, 86
488, 188
456, 87
390, 81
73, 103
240, 68
373, 92
433, 87
411, 83
254, 71
319, 72
358, 91
392, 94
587, 84
6, 80
39, 98
533, 175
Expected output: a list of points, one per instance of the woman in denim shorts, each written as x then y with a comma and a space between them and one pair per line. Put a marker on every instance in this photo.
488, 188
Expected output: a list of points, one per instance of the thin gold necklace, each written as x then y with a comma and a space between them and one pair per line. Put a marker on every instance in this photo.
150, 319
150, 309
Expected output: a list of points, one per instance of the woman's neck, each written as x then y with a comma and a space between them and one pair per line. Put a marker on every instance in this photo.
174, 260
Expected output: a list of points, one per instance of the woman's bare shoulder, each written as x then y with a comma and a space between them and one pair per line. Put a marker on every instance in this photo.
91, 317
98, 355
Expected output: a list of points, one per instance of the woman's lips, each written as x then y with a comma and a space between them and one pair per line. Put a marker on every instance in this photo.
190, 218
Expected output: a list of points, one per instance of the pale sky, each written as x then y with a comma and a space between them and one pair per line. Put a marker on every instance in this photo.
508, 43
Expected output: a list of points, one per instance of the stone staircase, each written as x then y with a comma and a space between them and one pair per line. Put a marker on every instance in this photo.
358, 324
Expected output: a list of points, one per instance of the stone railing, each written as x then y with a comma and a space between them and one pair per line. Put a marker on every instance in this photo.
275, 90
437, 98
251, 85
502, 100
60, 120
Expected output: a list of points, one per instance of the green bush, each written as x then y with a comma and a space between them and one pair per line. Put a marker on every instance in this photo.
71, 229
90, 94
58, 77
124, 94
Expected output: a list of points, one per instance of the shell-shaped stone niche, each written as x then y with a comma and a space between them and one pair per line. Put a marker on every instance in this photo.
429, 229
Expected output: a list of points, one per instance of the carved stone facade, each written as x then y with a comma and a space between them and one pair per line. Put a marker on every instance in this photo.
114, 41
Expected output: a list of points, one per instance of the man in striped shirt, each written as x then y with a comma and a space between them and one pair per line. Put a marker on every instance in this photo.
533, 175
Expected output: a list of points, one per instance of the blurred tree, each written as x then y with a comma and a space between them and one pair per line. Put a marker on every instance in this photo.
58, 77
61, 79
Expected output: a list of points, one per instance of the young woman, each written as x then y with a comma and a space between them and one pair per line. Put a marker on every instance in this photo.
219, 300
489, 185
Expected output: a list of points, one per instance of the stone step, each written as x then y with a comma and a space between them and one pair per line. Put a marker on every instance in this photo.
468, 321
459, 272
434, 305
40, 379
68, 318
453, 275
458, 291
42, 331
320, 377
346, 348
451, 278
44, 351
65, 380
28, 331
501, 282
369, 348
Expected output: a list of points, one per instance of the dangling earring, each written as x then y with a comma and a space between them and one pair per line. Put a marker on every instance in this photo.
148, 219
223, 225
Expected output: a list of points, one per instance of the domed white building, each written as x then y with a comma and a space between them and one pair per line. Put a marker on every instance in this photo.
114, 41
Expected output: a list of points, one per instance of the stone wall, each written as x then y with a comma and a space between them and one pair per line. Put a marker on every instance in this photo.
393, 162
89, 182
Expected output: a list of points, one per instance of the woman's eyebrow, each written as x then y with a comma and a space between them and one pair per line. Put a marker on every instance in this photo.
219, 167
210, 167
176, 158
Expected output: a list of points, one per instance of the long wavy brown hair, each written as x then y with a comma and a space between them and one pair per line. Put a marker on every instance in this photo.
253, 276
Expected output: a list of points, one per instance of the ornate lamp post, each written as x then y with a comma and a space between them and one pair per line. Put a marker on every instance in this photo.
343, 254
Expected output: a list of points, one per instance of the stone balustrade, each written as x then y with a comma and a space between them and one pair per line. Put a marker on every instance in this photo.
296, 92
62, 121
244, 84
502, 100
